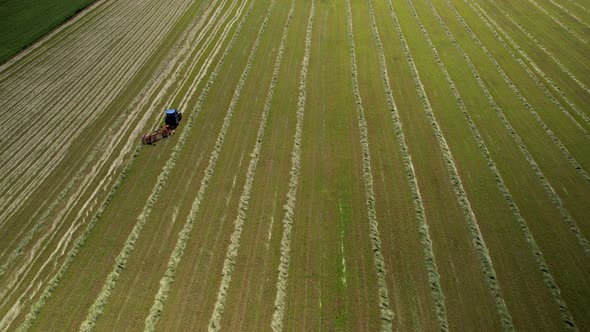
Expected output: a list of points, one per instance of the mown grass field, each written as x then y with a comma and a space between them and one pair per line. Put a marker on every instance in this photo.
341, 165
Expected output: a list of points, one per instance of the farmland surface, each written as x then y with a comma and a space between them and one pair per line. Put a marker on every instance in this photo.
340, 165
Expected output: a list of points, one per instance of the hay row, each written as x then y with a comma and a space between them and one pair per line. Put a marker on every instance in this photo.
476, 235
558, 22
522, 224
552, 194
567, 11
278, 315
386, 313
233, 247
425, 239
581, 171
176, 256
121, 261
430, 261
489, 22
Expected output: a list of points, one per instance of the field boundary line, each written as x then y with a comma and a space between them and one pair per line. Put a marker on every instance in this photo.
423, 228
460, 193
495, 28
121, 261
43, 39
233, 247
278, 315
553, 196
548, 278
386, 313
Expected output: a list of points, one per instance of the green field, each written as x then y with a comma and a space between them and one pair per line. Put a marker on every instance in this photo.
22, 22
353, 165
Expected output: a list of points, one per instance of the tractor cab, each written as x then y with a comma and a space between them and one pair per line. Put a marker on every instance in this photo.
172, 118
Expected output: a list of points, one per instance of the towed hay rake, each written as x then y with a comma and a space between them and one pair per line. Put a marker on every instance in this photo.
172, 120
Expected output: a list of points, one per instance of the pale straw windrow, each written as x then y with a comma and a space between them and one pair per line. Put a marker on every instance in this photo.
278, 316
476, 235
423, 228
386, 314
522, 224
50, 156
233, 247
137, 105
558, 22
554, 197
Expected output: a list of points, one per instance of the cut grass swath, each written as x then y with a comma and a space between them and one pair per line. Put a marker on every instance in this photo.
232, 250
278, 315
476, 235
426, 241
536, 251
386, 313
121, 261
553, 196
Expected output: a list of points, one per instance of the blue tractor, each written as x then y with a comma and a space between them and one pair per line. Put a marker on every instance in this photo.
172, 120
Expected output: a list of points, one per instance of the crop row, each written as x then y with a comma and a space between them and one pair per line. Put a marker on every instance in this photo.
477, 237
386, 313
176, 256
283, 269
515, 136
430, 259
24, 269
232, 250
46, 159
540, 259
